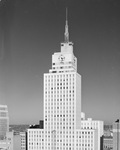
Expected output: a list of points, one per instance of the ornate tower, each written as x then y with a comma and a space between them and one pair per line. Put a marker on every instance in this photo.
62, 97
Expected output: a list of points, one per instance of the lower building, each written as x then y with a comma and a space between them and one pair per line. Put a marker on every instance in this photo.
108, 143
16, 141
23, 140
87, 139
7, 142
84, 139
96, 125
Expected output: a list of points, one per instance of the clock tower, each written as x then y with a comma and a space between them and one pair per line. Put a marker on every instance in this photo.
64, 61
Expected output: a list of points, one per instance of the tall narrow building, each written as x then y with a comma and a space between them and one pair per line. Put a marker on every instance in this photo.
62, 106
62, 96
4, 121
116, 135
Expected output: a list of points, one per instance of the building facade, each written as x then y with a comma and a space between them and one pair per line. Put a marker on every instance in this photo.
16, 141
108, 143
62, 107
93, 125
23, 140
4, 121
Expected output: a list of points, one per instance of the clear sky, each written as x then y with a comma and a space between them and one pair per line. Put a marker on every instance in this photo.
31, 31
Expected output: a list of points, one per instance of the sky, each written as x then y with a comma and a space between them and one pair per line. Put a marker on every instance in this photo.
32, 30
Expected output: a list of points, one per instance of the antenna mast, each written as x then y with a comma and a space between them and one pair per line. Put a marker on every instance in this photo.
66, 28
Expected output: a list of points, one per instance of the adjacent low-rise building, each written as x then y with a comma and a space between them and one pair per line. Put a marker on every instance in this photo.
90, 124
7, 142
108, 143
23, 140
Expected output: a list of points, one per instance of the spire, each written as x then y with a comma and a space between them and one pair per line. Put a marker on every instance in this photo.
66, 34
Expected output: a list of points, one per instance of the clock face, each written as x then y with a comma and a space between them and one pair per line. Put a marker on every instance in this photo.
61, 58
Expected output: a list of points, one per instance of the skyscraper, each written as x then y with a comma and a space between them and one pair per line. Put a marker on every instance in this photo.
116, 135
4, 121
62, 95
62, 106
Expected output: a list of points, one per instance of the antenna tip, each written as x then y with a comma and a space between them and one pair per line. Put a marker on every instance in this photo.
66, 12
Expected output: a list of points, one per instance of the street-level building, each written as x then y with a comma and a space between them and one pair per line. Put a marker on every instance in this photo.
108, 143
95, 125
7, 142
23, 140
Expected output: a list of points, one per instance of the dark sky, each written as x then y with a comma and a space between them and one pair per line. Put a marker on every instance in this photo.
31, 31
